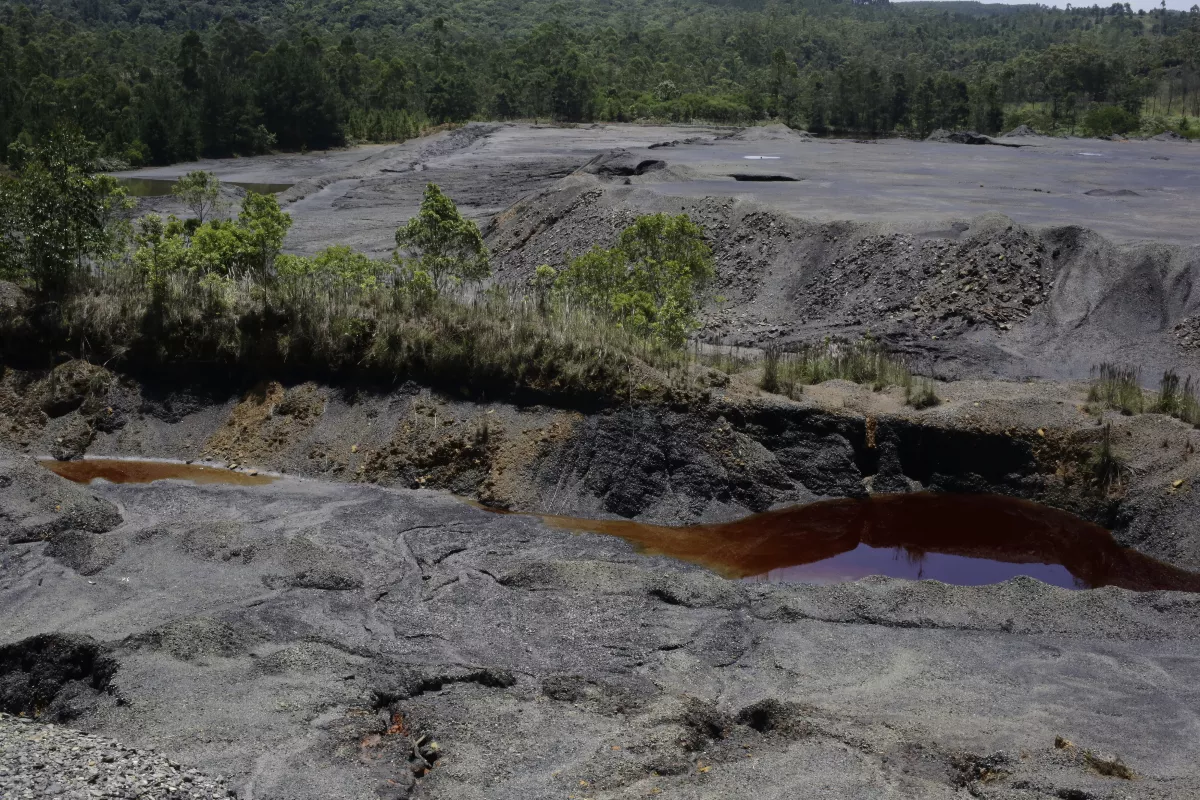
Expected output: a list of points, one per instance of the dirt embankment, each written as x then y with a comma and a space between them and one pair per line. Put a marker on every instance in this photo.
727, 451
983, 296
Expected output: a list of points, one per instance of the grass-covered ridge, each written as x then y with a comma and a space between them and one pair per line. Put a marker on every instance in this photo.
215, 292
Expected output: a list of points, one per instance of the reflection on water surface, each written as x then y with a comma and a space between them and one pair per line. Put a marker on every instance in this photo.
967, 540
116, 470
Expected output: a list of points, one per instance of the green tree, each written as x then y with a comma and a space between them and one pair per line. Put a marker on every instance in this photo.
1107, 120
57, 218
338, 265
924, 111
300, 102
200, 191
899, 111
443, 244
652, 282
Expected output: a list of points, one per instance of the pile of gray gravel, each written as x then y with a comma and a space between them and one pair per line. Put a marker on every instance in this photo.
38, 760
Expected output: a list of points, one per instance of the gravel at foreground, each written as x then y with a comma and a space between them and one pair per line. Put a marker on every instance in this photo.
41, 760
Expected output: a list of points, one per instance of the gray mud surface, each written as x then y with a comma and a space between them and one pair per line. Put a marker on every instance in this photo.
323, 638
1039, 260
366, 192
312, 640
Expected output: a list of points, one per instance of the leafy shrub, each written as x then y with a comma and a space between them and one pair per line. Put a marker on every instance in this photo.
247, 246
1107, 120
1117, 387
651, 283
337, 265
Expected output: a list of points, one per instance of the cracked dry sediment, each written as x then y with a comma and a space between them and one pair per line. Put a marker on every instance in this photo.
545, 663
46, 760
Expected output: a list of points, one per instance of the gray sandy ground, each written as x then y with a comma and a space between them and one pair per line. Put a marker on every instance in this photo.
1127, 191
1044, 260
314, 640
301, 637
361, 195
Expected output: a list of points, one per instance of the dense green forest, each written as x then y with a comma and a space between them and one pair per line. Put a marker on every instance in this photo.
156, 81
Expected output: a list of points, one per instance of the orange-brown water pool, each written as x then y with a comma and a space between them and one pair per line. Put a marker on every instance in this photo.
955, 538
117, 470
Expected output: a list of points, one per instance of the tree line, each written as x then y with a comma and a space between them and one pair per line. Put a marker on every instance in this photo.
153, 81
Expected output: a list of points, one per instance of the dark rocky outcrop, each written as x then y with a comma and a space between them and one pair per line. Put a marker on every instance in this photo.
54, 676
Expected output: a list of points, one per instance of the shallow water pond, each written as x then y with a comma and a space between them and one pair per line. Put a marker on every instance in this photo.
117, 470
968, 540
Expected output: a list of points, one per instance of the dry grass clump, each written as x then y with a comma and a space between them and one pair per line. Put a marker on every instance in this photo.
1178, 399
919, 393
1117, 387
1112, 767
729, 359
1109, 766
490, 342
864, 361
1108, 469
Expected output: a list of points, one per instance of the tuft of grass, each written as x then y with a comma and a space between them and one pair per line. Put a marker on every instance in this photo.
489, 342
919, 393
725, 358
1108, 469
1178, 399
1117, 387
864, 361
770, 378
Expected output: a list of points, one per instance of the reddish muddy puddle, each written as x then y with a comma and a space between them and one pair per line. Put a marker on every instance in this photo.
117, 470
962, 539
968, 540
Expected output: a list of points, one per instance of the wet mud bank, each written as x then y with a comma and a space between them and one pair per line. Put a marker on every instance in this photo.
969, 539
118, 470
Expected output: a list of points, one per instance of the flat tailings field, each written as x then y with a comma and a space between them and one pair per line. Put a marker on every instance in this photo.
1126, 190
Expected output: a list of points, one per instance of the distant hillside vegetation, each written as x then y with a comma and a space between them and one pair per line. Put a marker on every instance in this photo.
157, 81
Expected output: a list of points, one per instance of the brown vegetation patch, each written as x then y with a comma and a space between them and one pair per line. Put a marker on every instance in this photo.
28, 402
266, 421
433, 449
